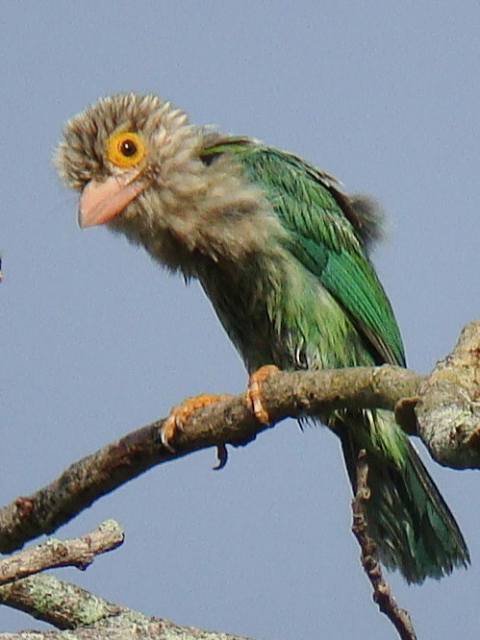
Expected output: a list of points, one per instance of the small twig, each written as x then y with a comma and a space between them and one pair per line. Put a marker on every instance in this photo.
78, 552
382, 593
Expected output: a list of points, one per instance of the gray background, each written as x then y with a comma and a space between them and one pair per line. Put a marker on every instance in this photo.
96, 339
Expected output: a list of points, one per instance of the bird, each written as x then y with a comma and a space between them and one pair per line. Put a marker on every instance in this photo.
283, 252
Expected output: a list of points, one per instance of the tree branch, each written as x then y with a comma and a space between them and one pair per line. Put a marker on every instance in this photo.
67, 606
448, 408
230, 421
56, 602
79, 552
287, 394
444, 409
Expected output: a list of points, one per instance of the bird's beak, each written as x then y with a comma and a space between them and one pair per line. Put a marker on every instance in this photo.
100, 202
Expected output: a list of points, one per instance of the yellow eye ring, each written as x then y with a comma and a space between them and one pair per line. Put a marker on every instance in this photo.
125, 149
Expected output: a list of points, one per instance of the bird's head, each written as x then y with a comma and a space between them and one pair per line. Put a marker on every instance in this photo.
137, 163
122, 152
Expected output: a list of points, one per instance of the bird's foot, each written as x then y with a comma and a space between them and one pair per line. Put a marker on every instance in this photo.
181, 413
254, 392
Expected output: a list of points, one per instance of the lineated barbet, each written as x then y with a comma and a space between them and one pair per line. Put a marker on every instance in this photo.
282, 252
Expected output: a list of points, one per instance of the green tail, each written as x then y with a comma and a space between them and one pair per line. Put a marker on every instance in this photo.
407, 517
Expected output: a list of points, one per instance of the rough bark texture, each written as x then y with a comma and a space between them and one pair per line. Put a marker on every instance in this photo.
448, 409
88, 617
148, 630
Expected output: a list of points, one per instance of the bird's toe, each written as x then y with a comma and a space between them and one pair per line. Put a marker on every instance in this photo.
180, 414
254, 391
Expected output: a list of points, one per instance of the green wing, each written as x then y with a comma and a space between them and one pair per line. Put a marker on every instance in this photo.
326, 234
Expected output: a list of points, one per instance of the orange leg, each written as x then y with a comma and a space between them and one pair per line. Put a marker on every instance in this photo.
181, 413
254, 392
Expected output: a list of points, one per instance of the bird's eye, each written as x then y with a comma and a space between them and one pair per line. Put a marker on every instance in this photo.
125, 149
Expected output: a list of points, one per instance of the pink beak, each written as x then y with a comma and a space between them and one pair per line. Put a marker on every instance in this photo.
100, 202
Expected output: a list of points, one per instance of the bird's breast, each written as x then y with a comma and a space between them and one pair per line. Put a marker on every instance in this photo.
277, 312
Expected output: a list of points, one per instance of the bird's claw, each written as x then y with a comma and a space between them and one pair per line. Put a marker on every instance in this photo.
169, 430
180, 414
254, 394
222, 457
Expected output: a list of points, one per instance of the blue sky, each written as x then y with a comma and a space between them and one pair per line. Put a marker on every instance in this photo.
96, 339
